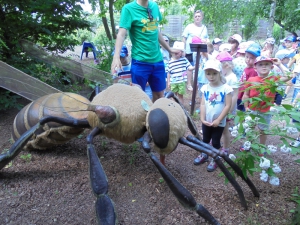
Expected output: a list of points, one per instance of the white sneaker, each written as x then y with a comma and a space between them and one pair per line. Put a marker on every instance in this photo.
295, 144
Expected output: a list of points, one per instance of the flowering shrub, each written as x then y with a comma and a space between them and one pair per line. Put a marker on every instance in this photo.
250, 159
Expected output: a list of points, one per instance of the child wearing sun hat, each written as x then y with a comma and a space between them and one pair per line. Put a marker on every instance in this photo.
215, 104
177, 71
263, 66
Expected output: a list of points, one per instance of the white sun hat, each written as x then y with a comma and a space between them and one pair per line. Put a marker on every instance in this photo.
179, 45
212, 64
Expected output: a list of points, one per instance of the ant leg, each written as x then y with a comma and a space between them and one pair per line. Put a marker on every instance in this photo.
185, 198
95, 92
233, 165
214, 153
16, 148
105, 210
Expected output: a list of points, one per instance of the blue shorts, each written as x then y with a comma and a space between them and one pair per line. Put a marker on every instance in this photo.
153, 73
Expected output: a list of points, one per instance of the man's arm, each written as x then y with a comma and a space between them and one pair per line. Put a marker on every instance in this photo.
165, 45
116, 63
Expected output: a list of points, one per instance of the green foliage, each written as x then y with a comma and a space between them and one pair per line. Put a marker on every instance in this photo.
277, 32
107, 47
131, 151
286, 13
26, 157
9, 100
50, 22
249, 160
296, 212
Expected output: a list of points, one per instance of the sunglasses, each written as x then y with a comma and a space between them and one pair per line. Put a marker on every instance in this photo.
198, 11
150, 17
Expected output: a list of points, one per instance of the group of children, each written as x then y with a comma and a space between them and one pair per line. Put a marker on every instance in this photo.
224, 93
222, 86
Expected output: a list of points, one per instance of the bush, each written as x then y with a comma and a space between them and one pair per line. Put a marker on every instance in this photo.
106, 46
8, 100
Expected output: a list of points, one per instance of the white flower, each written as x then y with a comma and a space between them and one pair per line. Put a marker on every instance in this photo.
273, 109
291, 130
276, 168
245, 125
274, 181
248, 119
272, 148
247, 130
247, 145
264, 163
264, 176
256, 119
232, 156
234, 133
285, 149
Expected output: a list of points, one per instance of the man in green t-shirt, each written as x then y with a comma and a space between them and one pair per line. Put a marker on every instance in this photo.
140, 19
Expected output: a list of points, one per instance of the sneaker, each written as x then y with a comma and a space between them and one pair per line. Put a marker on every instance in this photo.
212, 166
242, 148
284, 96
190, 88
295, 143
140, 139
202, 158
225, 150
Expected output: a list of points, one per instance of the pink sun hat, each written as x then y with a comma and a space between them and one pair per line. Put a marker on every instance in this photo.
243, 47
224, 56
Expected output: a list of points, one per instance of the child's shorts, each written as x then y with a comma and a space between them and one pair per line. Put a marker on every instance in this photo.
178, 88
264, 125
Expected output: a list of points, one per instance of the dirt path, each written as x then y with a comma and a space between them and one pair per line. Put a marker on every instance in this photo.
52, 187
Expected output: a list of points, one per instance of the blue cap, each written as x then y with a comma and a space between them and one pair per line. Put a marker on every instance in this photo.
123, 53
291, 38
254, 49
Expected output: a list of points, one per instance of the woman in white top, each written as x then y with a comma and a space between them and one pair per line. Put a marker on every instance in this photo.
194, 29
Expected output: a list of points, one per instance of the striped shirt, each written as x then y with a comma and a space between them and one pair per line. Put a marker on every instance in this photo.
177, 69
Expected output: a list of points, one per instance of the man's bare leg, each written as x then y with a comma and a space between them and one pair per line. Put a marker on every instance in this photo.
157, 95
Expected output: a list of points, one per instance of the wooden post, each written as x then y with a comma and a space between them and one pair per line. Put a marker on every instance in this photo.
196, 48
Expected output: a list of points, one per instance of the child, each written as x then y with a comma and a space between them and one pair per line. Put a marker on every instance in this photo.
296, 74
216, 44
296, 103
235, 41
269, 48
239, 63
177, 71
284, 56
227, 65
124, 74
215, 105
251, 53
263, 66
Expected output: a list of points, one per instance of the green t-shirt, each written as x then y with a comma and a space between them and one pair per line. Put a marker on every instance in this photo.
142, 32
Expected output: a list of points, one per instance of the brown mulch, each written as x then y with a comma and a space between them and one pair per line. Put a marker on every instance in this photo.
52, 186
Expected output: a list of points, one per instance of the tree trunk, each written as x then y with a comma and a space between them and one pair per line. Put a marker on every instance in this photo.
104, 19
112, 20
271, 19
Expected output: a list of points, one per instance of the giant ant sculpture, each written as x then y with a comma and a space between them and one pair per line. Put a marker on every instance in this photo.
123, 113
